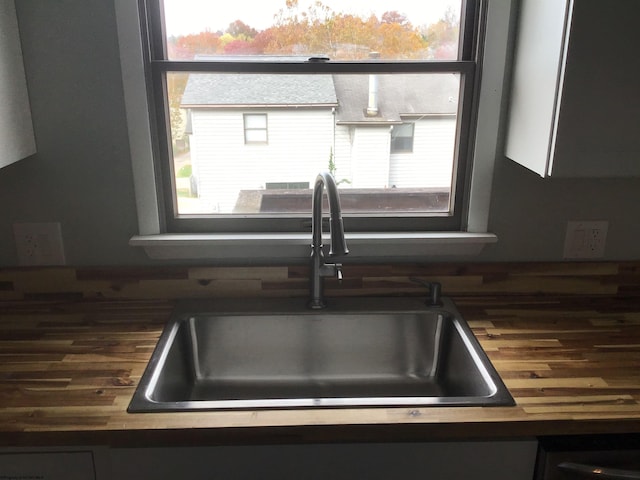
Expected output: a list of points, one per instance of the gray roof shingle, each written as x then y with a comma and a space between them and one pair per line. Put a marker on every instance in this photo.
398, 95
232, 89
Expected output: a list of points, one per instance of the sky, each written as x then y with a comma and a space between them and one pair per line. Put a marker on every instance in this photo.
192, 16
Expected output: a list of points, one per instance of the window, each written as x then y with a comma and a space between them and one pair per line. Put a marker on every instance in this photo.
331, 97
402, 138
255, 128
161, 241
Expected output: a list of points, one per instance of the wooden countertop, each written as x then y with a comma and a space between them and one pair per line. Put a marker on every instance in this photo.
68, 371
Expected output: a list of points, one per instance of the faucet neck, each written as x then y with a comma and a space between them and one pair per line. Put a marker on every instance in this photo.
338, 244
320, 269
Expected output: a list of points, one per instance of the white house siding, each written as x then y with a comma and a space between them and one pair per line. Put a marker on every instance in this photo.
342, 156
431, 162
299, 145
370, 157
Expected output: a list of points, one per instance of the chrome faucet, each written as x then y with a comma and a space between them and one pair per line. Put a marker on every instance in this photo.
320, 269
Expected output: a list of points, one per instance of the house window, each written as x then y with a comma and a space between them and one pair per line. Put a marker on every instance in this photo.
333, 78
402, 138
255, 128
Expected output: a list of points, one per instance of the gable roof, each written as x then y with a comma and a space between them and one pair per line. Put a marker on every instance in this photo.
399, 95
234, 89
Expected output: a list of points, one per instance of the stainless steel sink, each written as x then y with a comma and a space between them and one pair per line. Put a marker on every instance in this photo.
277, 354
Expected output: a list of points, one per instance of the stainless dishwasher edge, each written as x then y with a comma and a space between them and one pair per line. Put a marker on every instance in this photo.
606, 457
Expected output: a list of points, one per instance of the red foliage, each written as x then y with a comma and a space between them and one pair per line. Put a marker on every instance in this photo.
240, 47
394, 17
186, 47
262, 39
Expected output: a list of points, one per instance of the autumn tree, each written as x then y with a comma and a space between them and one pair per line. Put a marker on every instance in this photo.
241, 30
398, 42
394, 17
288, 30
442, 36
319, 29
262, 40
354, 38
186, 47
239, 46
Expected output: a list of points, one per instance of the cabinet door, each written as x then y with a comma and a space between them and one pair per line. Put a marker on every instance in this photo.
16, 129
77, 465
537, 68
598, 133
575, 108
506, 460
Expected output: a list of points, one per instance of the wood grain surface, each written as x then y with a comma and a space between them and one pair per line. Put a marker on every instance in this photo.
458, 279
68, 369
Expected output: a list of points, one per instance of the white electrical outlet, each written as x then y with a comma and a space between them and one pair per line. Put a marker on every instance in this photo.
585, 239
39, 243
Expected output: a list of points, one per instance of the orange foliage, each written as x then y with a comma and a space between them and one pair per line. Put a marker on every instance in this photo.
442, 36
186, 47
320, 30
399, 42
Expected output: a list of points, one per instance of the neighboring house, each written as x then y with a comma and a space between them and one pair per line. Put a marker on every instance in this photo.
254, 133
397, 130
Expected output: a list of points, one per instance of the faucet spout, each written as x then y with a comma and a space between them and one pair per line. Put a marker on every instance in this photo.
319, 268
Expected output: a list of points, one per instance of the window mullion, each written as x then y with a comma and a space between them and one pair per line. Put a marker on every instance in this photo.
163, 66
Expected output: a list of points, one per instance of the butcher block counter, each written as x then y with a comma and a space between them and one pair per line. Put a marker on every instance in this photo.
70, 364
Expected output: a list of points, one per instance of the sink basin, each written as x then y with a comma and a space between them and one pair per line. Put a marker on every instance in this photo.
357, 352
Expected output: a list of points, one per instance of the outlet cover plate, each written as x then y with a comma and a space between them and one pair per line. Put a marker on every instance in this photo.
585, 239
39, 243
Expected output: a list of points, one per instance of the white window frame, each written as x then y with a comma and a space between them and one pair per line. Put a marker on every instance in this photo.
250, 130
411, 126
279, 247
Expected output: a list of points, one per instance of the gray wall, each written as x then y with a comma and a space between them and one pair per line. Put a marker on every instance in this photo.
530, 214
81, 175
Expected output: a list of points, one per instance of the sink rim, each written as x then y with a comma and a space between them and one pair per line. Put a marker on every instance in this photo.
142, 400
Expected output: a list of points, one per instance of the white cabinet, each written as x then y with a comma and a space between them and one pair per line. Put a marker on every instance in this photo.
16, 129
575, 100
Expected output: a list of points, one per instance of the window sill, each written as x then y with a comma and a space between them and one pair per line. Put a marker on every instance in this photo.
295, 247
